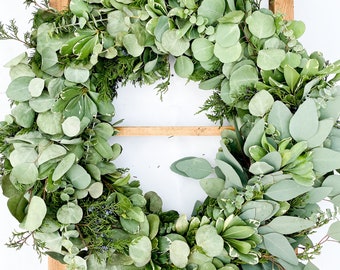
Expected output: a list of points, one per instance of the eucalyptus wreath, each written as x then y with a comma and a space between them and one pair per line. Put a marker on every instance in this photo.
270, 173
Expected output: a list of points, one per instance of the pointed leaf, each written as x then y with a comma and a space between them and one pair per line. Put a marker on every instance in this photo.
231, 176
286, 190
325, 160
212, 186
193, 167
35, 215
289, 225
334, 231
64, 165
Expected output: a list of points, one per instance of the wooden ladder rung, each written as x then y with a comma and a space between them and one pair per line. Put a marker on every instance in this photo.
172, 130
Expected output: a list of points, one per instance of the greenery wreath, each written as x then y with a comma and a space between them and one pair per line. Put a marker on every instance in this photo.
270, 173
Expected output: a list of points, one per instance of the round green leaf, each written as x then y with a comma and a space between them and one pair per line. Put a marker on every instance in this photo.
51, 152
24, 115
334, 231
179, 252
208, 239
174, 45
211, 9
244, 76
290, 225
184, 67
131, 44
78, 176
76, 74
35, 215
228, 54
23, 155
96, 190
228, 34
261, 25
197, 168
261, 103
117, 23
42, 103
140, 251
269, 59
212, 186
70, 213
50, 123
18, 89
202, 49
71, 126
24, 173
36, 87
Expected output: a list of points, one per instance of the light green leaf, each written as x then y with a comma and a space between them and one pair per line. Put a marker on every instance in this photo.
291, 59
238, 232
298, 28
103, 148
63, 166
261, 103
211, 9
194, 167
334, 231
79, 8
179, 252
104, 130
254, 136
50, 123
70, 213
49, 58
131, 44
202, 49
231, 176
291, 76
260, 210
208, 239
269, 59
228, 54
318, 194
96, 190
35, 215
42, 103
274, 159
78, 176
117, 23
260, 168
161, 25
76, 74
21, 70
174, 45
17, 205
261, 25
325, 160
36, 87
324, 129
331, 109
278, 245
140, 251
304, 123
23, 155
18, 89
212, 186
234, 16
24, 173
242, 77
71, 126
332, 181
286, 190
51, 152
23, 114
289, 225
310, 266
184, 67
211, 83
279, 117
228, 34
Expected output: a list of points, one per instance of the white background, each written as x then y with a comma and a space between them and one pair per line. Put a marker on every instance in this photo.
150, 158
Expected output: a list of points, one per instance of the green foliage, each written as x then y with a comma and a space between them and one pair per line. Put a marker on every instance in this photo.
269, 174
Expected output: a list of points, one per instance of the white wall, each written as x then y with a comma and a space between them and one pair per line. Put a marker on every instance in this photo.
150, 158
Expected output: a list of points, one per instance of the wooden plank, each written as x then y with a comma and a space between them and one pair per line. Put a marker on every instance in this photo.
59, 4
55, 265
172, 131
285, 7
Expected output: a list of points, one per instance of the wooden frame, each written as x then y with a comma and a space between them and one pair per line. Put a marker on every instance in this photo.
285, 7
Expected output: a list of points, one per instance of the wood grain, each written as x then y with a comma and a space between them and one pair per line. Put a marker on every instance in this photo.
285, 7
59, 4
172, 131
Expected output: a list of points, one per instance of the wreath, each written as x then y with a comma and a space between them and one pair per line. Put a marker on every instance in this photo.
270, 172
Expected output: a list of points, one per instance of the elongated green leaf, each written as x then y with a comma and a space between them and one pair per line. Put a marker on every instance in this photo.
51, 152
304, 123
325, 160
35, 215
197, 168
254, 137
279, 117
17, 206
332, 181
289, 225
64, 165
231, 176
238, 232
324, 129
279, 246
286, 190
318, 194
334, 230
